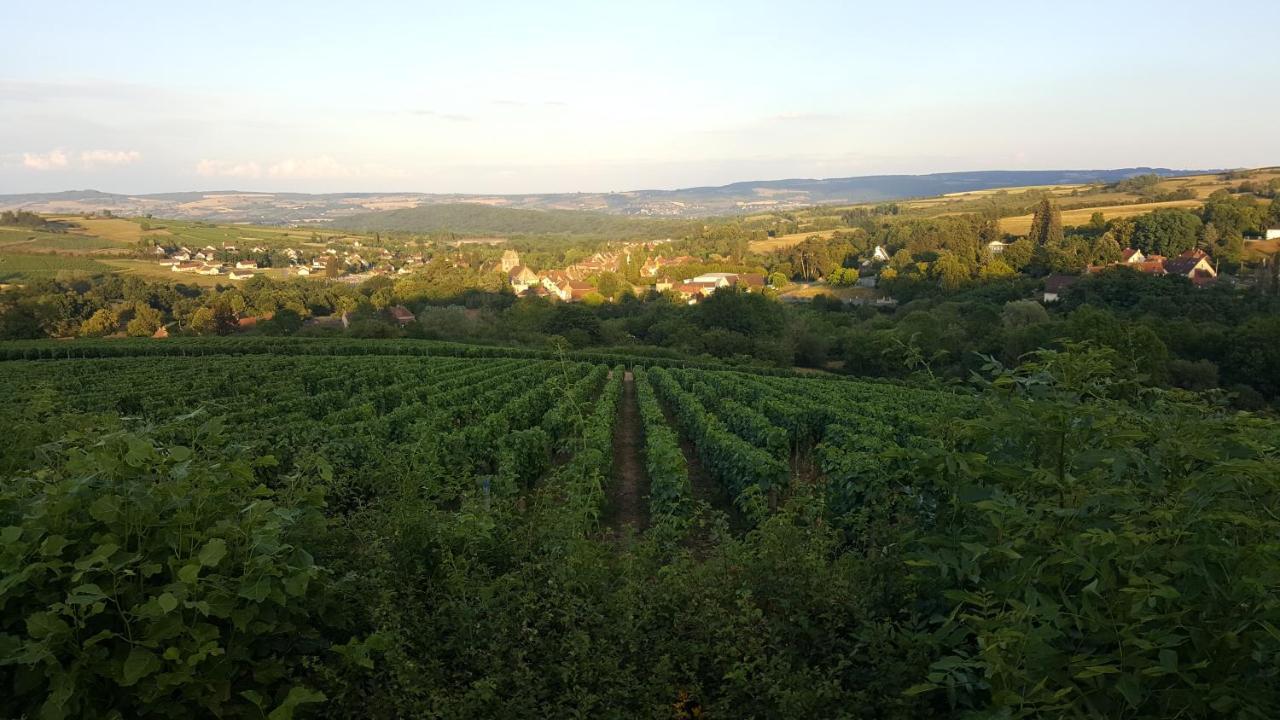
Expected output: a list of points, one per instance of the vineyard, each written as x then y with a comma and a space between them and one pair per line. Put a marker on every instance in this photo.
398, 528
491, 425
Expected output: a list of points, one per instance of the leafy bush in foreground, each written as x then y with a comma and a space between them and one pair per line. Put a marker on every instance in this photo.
142, 579
1104, 559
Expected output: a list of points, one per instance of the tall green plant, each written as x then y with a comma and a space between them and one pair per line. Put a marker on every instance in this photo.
140, 579
1102, 559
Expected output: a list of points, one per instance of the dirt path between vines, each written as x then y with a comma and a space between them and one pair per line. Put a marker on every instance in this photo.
628, 493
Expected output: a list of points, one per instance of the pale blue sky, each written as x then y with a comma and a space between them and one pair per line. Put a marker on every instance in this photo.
564, 96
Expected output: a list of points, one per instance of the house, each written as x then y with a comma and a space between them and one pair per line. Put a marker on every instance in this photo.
161, 332
751, 282
556, 283
187, 266
158, 251
247, 323
880, 255
181, 256
996, 247
239, 276
401, 314
1132, 256
304, 270
246, 265
1152, 265
1193, 265
578, 289
1055, 285
210, 270
715, 279
1272, 233
693, 291
651, 267
521, 278
510, 261
535, 291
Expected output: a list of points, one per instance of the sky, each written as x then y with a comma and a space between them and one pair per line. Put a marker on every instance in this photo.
554, 96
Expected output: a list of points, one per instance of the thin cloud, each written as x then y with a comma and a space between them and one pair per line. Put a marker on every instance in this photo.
94, 158
451, 117
222, 168
52, 160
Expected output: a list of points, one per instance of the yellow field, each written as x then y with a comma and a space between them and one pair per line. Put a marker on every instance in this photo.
1021, 224
812, 290
1020, 188
117, 230
785, 241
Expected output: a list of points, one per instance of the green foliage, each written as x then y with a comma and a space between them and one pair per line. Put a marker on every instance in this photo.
1046, 225
149, 579
1102, 559
669, 489
1167, 231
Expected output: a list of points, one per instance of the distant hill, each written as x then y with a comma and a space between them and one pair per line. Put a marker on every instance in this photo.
477, 219
735, 198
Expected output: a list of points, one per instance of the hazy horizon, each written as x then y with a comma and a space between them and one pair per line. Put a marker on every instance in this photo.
563, 97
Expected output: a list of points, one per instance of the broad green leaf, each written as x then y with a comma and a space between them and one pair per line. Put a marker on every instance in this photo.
105, 509
41, 625
53, 545
297, 696
140, 663
213, 552
168, 602
189, 573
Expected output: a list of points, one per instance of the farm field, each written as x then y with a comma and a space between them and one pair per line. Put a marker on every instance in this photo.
523, 534
19, 266
1021, 224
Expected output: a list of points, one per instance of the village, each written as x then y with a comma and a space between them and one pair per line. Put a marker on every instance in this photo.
1194, 264
572, 283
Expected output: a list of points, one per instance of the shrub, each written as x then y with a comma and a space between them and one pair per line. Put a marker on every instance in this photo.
143, 579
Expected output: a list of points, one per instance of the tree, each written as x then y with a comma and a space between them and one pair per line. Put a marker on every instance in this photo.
146, 321
609, 285
1107, 250
1046, 224
102, 322
1018, 253
777, 279
1167, 231
382, 298
995, 269
217, 319
949, 271
1023, 313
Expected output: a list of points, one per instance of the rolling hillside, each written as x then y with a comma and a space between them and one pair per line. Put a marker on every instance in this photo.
737, 198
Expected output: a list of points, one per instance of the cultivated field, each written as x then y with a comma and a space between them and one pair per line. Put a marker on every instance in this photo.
1021, 224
